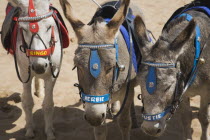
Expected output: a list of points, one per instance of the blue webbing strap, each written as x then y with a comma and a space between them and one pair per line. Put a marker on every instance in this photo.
156, 117
151, 80
197, 46
95, 63
95, 99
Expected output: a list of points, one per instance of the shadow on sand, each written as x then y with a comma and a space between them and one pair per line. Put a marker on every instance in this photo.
69, 124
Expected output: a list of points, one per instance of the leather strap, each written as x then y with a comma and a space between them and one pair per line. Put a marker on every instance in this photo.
34, 26
46, 52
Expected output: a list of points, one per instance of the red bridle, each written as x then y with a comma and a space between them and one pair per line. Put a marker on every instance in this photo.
34, 28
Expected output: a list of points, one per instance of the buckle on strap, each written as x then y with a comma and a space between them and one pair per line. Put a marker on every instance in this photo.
95, 99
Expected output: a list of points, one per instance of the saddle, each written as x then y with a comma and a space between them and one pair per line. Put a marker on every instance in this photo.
107, 12
9, 28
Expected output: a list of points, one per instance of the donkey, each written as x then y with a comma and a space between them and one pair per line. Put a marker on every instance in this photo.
101, 51
38, 53
178, 60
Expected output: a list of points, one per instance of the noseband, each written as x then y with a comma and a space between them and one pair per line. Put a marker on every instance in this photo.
33, 20
179, 90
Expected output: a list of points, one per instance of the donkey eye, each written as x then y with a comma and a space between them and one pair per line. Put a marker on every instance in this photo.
49, 28
109, 70
167, 88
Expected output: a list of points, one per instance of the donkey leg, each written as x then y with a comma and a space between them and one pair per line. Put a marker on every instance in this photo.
39, 87
100, 132
27, 104
133, 117
48, 108
203, 117
124, 120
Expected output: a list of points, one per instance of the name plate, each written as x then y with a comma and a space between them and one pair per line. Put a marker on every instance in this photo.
95, 99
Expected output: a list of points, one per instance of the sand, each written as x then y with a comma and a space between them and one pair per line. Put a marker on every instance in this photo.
68, 117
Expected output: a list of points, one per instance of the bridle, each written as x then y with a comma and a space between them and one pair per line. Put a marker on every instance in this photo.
94, 67
33, 20
181, 86
95, 70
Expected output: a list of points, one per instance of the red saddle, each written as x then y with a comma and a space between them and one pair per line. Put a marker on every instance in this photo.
10, 28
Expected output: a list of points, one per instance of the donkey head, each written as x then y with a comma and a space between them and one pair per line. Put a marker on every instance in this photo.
158, 64
39, 40
97, 36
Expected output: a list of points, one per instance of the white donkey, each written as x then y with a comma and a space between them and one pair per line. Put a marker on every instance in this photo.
38, 54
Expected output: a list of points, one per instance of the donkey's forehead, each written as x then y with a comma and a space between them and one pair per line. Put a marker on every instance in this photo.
41, 6
107, 56
96, 34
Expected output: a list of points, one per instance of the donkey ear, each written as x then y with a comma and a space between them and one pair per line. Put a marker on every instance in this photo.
140, 31
141, 35
68, 12
183, 37
119, 17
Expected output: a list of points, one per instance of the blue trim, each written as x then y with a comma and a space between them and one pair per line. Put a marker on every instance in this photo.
197, 43
117, 58
95, 63
156, 117
95, 99
203, 8
151, 80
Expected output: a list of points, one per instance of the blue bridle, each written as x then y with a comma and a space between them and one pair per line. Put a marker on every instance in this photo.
151, 77
95, 70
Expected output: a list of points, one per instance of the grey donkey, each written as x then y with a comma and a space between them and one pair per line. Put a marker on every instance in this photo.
99, 34
175, 47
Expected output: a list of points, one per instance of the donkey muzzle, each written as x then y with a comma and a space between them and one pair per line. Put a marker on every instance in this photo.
39, 68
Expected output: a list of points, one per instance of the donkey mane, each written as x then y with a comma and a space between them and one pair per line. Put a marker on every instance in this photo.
173, 23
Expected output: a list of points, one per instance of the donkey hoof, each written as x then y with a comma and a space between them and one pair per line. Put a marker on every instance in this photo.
30, 133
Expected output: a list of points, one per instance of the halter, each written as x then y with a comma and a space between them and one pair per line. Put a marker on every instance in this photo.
95, 70
151, 78
33, 20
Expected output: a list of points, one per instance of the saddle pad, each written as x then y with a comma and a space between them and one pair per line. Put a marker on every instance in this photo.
9, 28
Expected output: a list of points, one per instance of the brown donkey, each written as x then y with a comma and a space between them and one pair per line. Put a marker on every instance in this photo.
102, 52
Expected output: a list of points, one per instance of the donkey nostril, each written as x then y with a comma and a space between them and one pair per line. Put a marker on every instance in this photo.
158, 131
103, 115
45, 65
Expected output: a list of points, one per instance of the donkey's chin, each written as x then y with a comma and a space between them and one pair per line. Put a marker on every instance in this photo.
95, 121
154, 129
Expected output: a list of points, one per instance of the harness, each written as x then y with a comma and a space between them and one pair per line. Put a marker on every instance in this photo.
33, 20
95, 67
179, 89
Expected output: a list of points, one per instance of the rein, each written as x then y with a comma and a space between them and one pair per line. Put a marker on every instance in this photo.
33, 20
179, 90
